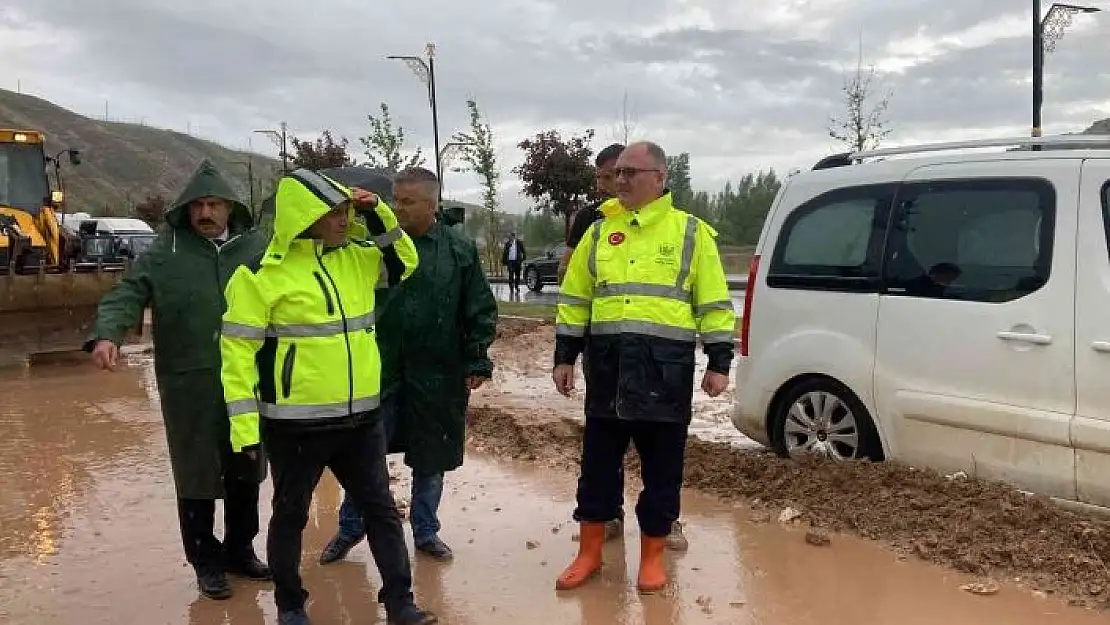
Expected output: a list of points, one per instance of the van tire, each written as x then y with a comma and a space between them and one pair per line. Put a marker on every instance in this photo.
869, 447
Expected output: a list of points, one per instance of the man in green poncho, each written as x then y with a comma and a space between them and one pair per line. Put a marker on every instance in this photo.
182, 276
433, 333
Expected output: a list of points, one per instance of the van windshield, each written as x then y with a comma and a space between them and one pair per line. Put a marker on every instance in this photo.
23, 182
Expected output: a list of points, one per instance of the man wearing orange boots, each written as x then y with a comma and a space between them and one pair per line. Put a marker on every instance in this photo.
647, 283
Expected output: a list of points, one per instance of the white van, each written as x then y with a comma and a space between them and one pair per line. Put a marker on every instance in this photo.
949, 311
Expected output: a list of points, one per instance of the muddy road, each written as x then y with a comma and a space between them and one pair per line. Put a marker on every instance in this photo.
88, 529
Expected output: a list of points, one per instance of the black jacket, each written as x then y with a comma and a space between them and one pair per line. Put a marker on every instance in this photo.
520, 255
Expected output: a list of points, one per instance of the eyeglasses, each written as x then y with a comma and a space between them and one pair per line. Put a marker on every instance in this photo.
631, 172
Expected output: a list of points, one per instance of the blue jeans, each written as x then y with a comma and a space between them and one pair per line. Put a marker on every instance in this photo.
427, 491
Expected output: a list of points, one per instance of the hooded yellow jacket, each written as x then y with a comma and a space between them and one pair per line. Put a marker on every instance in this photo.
298, 340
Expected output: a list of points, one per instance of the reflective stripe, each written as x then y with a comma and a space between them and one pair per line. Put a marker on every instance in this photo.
572, 300
642, 327
383, 277
299, 330
688, 240
708, 307
591, 261
242, 331
642, 288
323, 329
387, 239
319, 185
241, 407
318, 411
723, 336
564, 329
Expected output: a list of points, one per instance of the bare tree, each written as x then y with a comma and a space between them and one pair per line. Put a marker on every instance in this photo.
863, 125
624, 129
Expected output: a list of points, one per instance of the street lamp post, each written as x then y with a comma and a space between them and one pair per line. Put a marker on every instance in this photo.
1047, 33
279, 138
426, 72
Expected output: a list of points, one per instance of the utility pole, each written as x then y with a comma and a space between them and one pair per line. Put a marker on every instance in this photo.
1047, 33
426, 72
280, 138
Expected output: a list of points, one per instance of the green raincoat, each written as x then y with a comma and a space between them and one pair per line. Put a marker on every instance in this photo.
182, 278
433, 331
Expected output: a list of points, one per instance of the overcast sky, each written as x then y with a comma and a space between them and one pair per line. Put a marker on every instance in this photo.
739, 85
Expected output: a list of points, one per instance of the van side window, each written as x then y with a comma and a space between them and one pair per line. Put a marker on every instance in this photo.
975, 240
834, 241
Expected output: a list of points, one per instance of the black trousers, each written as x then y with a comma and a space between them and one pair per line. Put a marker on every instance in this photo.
662, 450
620, 495
356, 456
514, 274
197, 518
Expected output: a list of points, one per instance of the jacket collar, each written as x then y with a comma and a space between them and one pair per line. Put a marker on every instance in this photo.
650, 213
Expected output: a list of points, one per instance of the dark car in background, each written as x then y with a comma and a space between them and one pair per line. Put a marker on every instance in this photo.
545, 269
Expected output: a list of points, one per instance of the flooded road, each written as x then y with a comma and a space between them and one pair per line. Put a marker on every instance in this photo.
88, 534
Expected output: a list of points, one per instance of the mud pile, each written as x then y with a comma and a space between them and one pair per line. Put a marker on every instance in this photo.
971, 525
509, 328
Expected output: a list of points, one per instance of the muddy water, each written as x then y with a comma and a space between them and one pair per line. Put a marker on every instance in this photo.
88, 534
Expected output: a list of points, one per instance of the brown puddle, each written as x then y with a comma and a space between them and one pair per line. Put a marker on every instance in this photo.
88, 534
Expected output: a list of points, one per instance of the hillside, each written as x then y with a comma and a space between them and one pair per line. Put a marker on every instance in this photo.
124, 163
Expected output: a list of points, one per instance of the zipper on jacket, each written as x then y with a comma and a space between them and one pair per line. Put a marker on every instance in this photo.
324, 288
287, 370
346, 338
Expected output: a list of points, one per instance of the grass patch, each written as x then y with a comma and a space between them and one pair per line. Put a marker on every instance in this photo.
527, 309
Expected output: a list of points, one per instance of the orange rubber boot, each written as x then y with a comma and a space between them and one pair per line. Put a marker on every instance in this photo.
591, 537
653, 575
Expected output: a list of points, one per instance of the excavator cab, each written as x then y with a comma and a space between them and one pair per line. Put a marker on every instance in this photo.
45, 306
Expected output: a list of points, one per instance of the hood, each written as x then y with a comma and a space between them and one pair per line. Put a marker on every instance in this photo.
377, 181
302, 197
208, 182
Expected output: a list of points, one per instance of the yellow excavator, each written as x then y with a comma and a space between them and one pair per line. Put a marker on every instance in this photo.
50, 280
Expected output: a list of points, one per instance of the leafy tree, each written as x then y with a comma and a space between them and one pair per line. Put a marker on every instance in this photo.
325, 152
384, 143
479, 155
863, 125
541, 231
678, 179
741, 210
557, 174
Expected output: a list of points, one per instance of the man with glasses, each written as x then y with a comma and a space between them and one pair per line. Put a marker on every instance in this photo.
647, 282
605, 180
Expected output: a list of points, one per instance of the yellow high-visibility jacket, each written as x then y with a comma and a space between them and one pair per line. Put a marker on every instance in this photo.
647, 284
298, 340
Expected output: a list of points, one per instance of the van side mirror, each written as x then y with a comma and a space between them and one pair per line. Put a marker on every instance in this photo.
75, 157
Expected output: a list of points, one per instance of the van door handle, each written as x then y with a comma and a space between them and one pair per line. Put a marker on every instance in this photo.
1101, 346
1023, 337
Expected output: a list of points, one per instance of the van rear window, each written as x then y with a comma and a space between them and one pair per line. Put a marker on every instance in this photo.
834, 241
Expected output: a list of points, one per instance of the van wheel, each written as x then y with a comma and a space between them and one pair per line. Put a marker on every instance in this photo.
822, 416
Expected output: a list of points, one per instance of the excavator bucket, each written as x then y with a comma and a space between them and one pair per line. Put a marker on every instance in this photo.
50, 313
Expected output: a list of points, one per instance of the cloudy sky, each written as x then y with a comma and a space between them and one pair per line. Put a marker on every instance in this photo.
739, 85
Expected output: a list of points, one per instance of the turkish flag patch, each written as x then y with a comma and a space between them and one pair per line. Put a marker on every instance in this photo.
616, 238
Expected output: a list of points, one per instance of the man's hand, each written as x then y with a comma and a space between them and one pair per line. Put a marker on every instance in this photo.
105, 355
563, 376
364, 198
251, 452
714, 383
474, 382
